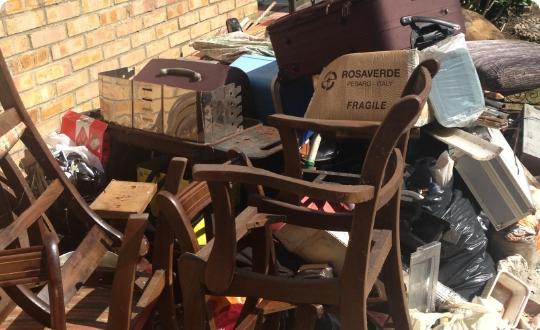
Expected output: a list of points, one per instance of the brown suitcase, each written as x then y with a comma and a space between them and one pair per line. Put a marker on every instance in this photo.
305, 41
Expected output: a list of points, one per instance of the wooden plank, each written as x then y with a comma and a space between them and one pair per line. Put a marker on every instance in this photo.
82, 263
382, 242
8, 119
241, 223
30, 215
120, 199
153, 289
10, 138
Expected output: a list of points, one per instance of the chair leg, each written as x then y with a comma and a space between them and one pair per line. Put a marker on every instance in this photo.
393, 281
191, 272
305, 316
354, 315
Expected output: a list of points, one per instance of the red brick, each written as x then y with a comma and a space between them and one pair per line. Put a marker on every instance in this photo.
143, 37
161, 3
30, 60
178, 9
140, 6
63, 11
102, 67
100, 36
14, 45
38, 95
156, 47
116, 47
133, 57
155, 17
93, 5
86, 58
198, 30
166, 28
58, 106
188, 19
24, 82
53, 72
83, 24
226, 6
25, 21
112, 16
208, 12
72, 82
68, 47
194, 4
48, 36
88, 92
131, 26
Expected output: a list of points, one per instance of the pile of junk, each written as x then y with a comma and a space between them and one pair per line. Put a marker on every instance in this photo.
470, 197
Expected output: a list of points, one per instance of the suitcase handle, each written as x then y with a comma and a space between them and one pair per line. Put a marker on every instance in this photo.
412, 20
181, 72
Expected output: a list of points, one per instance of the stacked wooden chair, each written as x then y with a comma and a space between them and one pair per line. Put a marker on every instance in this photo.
180, 209
30, 271
374, 249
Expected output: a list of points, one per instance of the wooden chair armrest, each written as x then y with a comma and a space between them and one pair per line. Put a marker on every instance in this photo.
337, 128
256, 176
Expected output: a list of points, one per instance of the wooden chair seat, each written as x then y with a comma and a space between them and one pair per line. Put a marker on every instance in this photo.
88, 309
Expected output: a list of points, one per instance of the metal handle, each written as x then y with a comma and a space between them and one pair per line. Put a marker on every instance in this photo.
181, 72
412, 20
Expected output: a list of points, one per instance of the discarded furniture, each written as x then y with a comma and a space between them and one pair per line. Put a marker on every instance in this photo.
179, 210
288, 127
373, 225
26, 227
256, 141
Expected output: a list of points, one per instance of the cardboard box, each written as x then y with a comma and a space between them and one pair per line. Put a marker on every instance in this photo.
86, 131
363, 86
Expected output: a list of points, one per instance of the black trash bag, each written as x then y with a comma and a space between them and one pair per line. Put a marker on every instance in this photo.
88, 180
465, 264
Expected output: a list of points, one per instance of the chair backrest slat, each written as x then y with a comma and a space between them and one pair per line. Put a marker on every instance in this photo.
8, 119
30, 215
22, 266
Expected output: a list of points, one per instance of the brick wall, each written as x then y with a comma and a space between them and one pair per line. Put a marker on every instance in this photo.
56, 48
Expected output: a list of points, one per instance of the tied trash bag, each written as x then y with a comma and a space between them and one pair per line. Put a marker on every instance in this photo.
465, 266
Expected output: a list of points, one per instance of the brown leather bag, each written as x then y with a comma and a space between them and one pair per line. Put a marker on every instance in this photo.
307, 40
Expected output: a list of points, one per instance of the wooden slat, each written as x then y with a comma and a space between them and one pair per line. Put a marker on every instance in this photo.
382, 240
19, 266
82, 263
8, 119
10, 138
194, 198
30, 215
241, 223
153, 289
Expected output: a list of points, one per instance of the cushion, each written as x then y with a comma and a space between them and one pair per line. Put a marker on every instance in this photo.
506, 66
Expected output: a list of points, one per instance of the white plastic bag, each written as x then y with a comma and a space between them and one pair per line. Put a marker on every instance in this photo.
456, 94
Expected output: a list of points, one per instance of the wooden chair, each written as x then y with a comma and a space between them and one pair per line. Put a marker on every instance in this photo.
373, 250
28, 235
288, 127
179, 210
